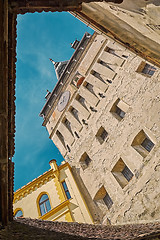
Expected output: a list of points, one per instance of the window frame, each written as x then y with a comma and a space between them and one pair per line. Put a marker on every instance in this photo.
81, 100
145, 144
74, 112
127, 173
43, 202
119, 109
108, 201
89, 87
119, 112
102, 197
85, 161
18, 210
146, 69
122, 173
60, 137
138, 143
67, 124
99, 135
66, 190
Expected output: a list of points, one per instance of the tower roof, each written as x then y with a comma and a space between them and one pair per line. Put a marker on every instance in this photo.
65, 67
59, 67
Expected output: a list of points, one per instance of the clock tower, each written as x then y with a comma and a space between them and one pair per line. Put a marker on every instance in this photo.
56, 114
102, 115
60, 117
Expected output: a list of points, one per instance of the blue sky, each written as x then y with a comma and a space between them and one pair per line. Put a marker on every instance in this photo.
40, 36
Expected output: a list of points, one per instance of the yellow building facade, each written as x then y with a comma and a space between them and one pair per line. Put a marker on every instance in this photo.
52, 196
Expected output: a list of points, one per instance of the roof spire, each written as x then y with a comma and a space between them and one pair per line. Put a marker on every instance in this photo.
59, 67
52, 60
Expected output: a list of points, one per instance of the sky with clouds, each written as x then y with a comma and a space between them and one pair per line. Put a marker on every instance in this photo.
40, 36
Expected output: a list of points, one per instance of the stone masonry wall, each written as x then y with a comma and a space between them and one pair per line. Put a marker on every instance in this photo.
117, 98
138, 200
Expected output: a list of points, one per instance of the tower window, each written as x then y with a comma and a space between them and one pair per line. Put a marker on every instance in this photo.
120, 113
146, 69
147, 144
101, 135
60, 136
103, 199
89, 87
81, 100
97, 75
44, 204
122, 173
66, 190
142, 143
85, 161
108, 201
110, 50
127, 173
75, 113
67, 124
105, 64
119, 109
104, 134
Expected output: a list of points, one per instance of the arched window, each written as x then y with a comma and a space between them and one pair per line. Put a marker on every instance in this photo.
44, 204
18, 214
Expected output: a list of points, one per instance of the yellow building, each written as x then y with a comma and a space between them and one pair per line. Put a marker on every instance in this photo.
52, 196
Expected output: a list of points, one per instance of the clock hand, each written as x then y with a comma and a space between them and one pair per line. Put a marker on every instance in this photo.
62, 100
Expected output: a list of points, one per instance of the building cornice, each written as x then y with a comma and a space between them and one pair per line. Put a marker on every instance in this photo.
37, 182
33, 185
61, 84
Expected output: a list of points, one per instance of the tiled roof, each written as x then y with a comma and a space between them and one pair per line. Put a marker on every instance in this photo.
33, 229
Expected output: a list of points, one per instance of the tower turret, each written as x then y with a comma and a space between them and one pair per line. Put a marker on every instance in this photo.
59, 67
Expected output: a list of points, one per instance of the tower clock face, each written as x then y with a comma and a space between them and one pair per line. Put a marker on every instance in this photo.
64, 99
